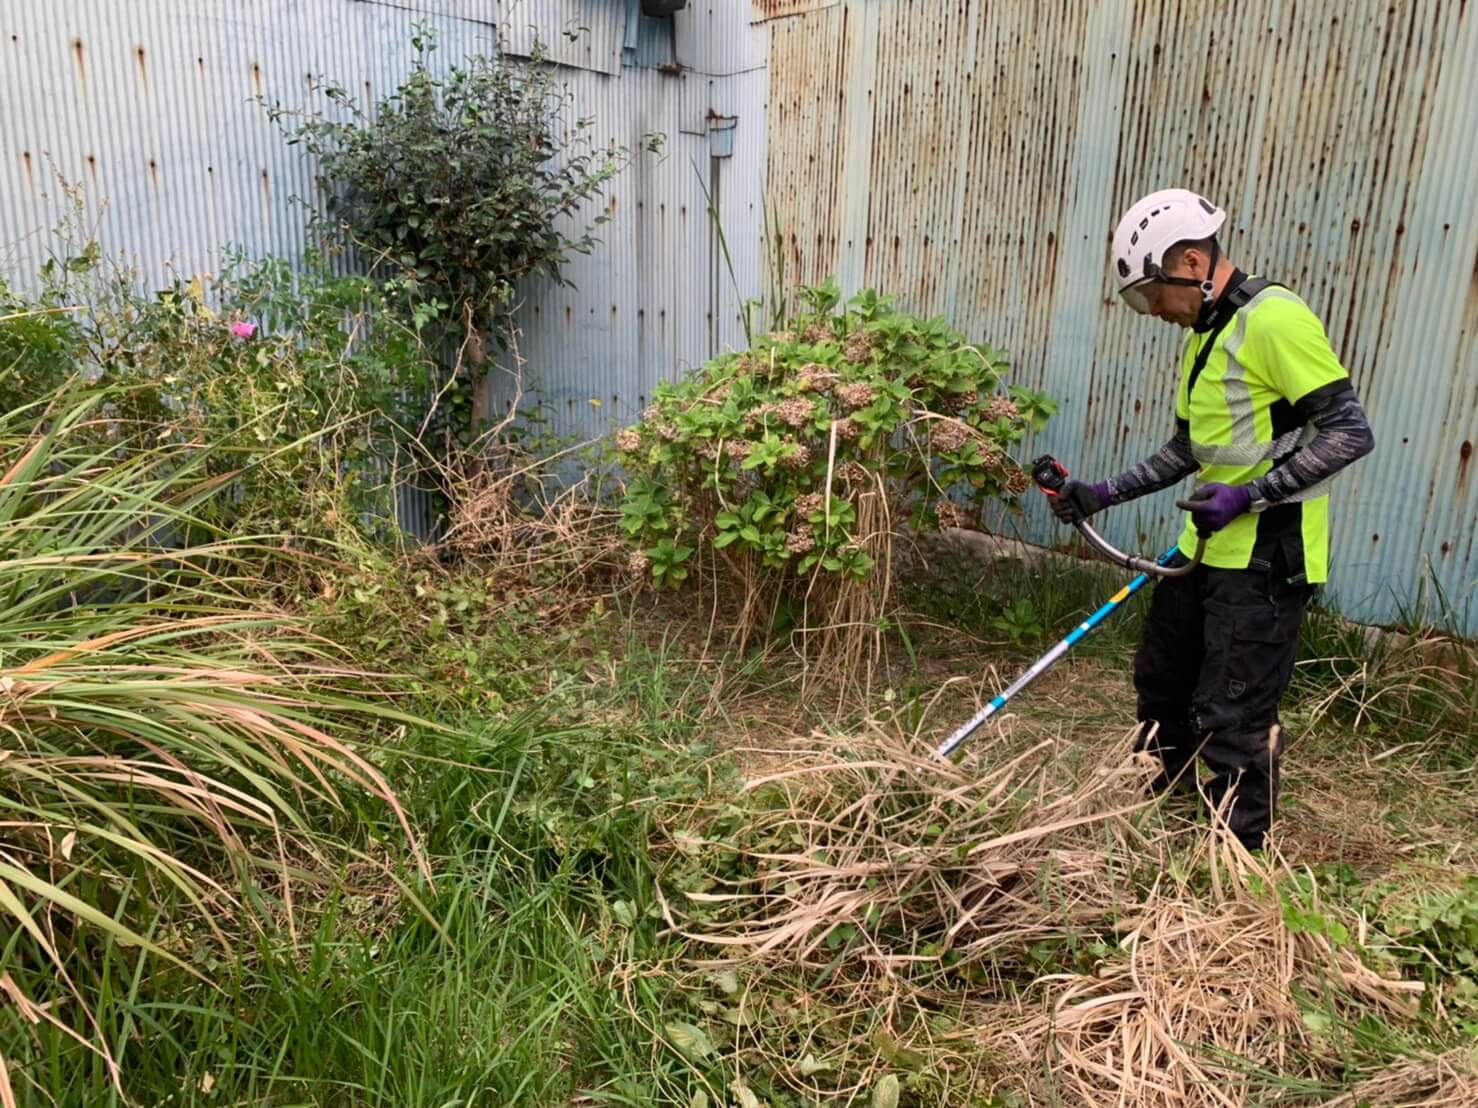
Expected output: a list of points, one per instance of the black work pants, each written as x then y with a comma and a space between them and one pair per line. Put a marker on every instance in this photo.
1216, 656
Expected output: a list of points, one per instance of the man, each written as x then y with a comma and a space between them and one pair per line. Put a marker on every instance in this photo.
1265, 416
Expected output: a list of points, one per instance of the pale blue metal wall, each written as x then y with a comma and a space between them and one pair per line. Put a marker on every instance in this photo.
972, 157
150, 106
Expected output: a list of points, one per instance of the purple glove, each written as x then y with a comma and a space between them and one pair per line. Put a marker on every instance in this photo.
1213, 506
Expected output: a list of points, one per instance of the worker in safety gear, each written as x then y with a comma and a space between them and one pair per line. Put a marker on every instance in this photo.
1265, 416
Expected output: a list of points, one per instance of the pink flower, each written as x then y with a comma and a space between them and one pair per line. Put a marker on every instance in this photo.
243, 330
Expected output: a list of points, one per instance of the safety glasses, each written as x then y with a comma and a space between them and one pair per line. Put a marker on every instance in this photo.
1143, 295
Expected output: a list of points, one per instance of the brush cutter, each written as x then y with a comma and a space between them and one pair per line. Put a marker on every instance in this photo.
1050, 476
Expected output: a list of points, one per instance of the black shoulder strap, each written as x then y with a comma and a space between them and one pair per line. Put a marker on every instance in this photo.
1238, 298
1242, 295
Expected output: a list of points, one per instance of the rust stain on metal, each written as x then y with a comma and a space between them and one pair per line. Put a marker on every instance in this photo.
30, 169
154, 174
79, 58
972, 164
779, 9
256, 77
141, 59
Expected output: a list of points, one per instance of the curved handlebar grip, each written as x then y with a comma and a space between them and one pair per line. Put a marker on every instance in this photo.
1190, 505
1051, 475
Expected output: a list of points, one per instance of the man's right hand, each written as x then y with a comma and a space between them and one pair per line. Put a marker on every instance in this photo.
1079, 500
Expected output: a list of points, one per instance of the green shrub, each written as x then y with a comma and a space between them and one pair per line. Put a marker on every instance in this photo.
458, 185
306, 390
796, 462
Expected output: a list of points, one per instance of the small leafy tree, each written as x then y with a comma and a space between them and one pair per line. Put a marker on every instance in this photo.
458, 185
797, 461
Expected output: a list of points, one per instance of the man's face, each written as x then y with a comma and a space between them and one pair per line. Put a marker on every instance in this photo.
1179, 304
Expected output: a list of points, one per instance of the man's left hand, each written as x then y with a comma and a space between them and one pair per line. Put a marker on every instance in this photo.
1213, 506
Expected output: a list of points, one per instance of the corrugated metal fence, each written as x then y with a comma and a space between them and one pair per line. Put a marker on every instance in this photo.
151, 105
972, 157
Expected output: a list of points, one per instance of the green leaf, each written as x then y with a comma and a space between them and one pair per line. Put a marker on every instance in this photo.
885, 1092
736, 1017
692, 1042
1319, 1023
898, 1055
727, 982
809, 1067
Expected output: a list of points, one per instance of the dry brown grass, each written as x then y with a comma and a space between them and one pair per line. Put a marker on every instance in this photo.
1448, 1080
1203, 992
508, 511
900, 889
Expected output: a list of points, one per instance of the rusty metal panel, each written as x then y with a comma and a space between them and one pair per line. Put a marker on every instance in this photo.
810, 93
972, 158
586, 34
151, 107
780, 9
658, 296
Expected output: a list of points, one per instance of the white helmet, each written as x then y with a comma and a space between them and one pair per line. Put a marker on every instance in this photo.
1149, 229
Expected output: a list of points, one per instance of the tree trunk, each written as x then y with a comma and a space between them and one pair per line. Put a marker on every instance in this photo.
477, 354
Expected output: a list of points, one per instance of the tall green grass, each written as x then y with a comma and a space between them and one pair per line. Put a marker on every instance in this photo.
169, 743
1411, 685
238, 865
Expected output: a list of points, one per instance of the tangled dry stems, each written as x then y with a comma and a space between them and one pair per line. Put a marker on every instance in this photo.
1447, 1081
906, 882
508, 512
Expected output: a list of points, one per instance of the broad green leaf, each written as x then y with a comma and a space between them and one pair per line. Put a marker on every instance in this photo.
693, 1042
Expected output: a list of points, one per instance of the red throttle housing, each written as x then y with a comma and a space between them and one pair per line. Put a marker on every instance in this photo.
1049, 474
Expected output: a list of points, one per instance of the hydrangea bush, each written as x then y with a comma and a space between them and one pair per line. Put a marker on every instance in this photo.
804, 455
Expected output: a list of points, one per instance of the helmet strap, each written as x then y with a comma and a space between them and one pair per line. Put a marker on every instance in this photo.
1208, 289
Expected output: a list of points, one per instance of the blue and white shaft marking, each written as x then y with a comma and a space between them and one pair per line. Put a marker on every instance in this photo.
1045, 662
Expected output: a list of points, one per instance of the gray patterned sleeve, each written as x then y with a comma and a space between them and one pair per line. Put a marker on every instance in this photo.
1341, 435
1172, 463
